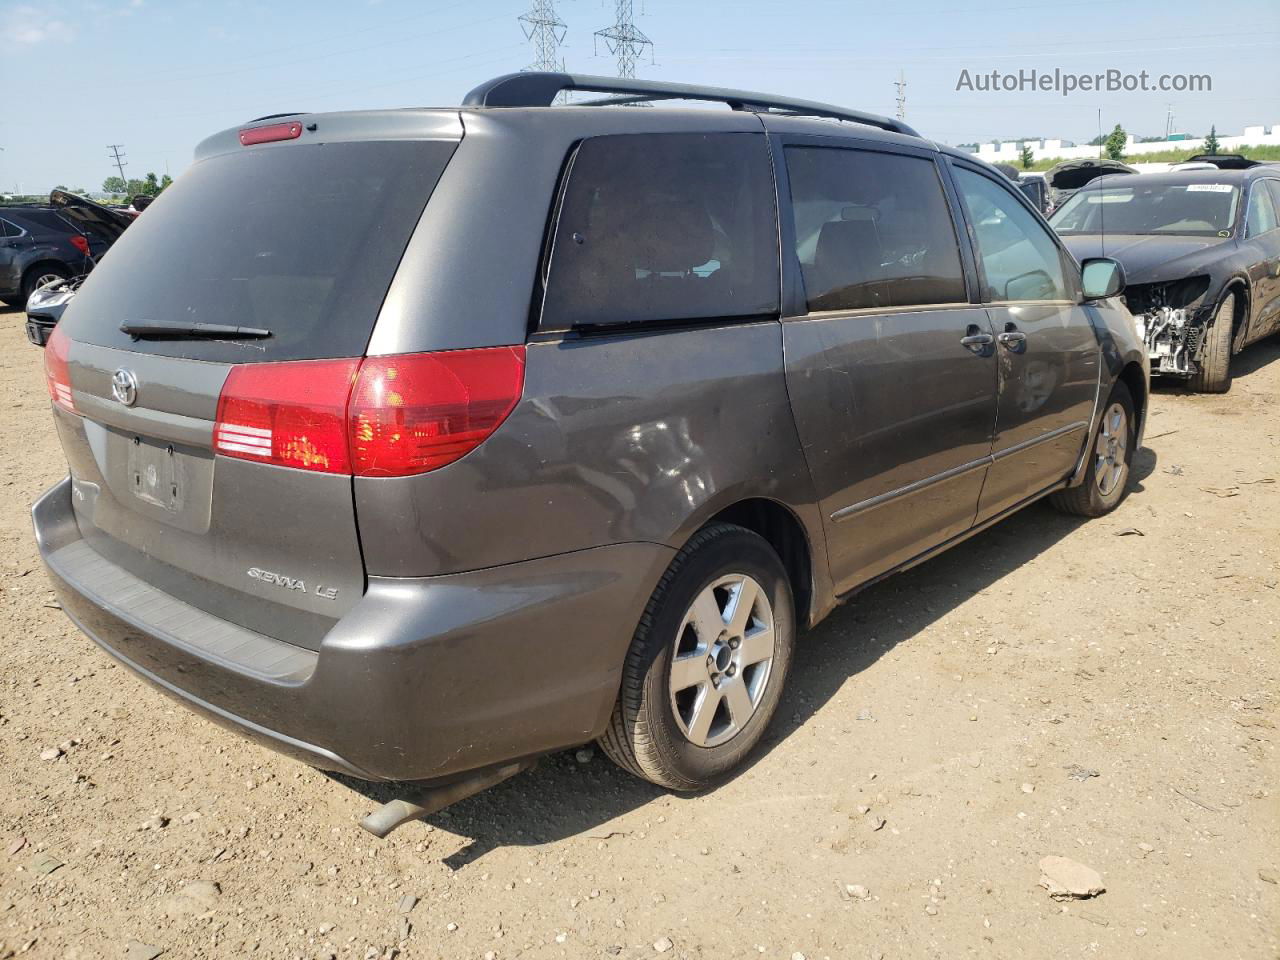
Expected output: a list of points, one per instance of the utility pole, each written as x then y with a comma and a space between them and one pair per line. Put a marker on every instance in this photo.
119, 159
1168, 122
901, 85
623, 39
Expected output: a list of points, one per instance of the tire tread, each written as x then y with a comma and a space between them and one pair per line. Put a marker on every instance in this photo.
1214, 375
627, 740
1081, 500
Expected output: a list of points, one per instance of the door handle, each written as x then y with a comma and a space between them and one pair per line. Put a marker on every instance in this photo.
975, 339
1013, 338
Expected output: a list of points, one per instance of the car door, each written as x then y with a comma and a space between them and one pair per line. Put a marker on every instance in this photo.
1262, 248
1048, 353
890, 368
11, 242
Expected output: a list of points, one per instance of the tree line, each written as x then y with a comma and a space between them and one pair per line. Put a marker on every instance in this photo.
150, 185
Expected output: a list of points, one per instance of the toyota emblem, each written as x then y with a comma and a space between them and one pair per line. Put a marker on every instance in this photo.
124, 387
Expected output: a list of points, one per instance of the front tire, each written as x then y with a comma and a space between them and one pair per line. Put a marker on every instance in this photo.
1111, 452
1215, 364
39, 276
707, 664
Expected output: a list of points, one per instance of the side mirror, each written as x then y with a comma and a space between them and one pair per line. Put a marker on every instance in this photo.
1101, 277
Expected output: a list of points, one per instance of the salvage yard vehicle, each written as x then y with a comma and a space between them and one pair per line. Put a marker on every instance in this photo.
1065, 178
582, 414
39, 246
49, 300
1201, 252
46, 305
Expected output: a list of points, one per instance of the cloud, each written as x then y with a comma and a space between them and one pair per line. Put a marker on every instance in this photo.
30, 25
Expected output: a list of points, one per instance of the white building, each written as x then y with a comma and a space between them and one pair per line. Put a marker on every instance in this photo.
1008, 151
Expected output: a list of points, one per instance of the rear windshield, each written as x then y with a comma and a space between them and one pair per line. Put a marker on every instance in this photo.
301, 240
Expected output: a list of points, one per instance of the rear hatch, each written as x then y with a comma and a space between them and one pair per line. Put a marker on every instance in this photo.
201, 438
93, 219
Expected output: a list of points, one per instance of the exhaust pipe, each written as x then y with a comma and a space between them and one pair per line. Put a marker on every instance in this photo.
402, 810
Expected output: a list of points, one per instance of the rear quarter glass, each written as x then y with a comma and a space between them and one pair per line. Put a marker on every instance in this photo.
666, 226
302, 240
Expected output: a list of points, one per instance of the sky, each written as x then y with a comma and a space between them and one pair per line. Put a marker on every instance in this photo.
159, 75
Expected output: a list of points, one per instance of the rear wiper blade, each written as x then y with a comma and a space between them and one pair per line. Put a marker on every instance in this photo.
169, 330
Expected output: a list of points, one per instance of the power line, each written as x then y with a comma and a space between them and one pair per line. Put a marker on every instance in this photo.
119, 158
546, 32
624, 40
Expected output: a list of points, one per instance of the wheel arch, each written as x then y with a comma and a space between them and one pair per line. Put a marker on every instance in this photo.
43, 263
786, 533
1240, 313
1135, 378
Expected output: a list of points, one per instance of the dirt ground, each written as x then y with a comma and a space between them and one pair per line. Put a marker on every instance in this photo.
965, 703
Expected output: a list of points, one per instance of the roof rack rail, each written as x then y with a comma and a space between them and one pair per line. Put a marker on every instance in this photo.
537, 89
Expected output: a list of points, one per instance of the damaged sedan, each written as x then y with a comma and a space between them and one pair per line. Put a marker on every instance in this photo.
1201, 253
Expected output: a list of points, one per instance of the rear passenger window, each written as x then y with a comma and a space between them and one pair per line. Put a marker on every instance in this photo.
664, 227
872, 230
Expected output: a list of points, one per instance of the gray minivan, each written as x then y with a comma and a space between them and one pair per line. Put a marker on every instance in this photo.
419, 443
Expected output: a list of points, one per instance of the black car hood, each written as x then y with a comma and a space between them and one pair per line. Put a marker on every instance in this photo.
1149, 258
90, 216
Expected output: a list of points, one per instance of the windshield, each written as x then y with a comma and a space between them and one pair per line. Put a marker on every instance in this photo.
1194, 209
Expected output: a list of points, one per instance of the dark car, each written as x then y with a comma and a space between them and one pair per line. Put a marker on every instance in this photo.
38, 246
1066, 178
61, 241
101, 226
1037, 190
1031, 184
1201, 251
578, 418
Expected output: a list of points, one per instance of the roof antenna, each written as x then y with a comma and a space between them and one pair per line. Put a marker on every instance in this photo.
1102, 198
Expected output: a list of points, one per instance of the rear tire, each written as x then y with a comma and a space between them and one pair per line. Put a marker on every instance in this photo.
1215, 365
1111, 450
704, 674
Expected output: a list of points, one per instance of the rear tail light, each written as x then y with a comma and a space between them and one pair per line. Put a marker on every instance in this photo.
81, 243
410, 414
288, 414
56, 372
380, 417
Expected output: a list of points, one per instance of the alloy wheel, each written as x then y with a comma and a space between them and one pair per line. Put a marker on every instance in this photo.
1109, 452
722, 660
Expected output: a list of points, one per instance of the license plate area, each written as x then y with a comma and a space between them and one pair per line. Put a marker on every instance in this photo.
155, 474
171, 483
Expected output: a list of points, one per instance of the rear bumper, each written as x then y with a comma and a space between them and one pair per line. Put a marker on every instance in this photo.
424, 679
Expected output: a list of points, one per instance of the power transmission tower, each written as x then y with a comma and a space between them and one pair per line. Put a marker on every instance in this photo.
901, 85
623, 39
119, 158
546, 31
